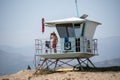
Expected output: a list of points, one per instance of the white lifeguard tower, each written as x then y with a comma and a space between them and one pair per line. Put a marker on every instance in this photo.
76, 43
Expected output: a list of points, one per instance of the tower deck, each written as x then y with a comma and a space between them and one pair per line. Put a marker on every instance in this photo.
58, 59
71, 55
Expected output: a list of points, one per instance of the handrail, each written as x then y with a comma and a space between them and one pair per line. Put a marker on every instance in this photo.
41, 48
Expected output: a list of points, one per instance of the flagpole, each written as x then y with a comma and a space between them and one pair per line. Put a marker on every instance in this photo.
77, 13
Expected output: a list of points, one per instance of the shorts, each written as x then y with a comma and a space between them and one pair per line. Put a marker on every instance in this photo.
53, 45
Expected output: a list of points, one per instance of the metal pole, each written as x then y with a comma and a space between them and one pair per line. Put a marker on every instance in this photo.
76, 8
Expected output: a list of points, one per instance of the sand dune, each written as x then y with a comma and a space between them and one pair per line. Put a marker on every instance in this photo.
28, 75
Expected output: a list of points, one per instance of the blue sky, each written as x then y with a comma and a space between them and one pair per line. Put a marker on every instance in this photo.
20, 20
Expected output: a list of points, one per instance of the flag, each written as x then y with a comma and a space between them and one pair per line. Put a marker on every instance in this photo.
43, 28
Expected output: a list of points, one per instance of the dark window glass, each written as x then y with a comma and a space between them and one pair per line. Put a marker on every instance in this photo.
65, 30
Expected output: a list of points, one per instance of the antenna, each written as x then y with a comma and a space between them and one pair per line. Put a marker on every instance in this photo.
76, 8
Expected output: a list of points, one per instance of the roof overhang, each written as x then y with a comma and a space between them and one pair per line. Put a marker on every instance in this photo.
67, 20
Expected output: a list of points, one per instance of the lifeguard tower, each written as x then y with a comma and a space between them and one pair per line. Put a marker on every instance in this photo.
76, 43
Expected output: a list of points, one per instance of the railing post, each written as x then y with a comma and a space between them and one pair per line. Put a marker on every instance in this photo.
38, 46
95, 44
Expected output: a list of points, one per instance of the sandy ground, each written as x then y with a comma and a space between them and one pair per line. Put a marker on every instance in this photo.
28, 75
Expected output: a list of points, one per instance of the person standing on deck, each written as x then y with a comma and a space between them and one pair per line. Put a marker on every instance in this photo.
54, 38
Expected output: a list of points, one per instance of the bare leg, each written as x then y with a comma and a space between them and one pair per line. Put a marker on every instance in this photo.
55, 51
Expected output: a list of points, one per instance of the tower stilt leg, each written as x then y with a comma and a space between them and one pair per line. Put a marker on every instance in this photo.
80, 64
56, 64
42, 63
91, 62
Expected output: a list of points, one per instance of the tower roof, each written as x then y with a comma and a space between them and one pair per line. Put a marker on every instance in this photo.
67, 20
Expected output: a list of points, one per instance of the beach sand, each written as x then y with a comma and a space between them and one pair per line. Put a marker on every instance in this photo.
28, 75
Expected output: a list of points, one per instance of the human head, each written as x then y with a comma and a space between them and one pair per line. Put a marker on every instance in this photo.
53, 33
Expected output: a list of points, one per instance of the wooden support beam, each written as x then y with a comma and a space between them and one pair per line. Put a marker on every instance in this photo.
66, 63
91, 62
42, 63
83, 61
80, 64
53, 62
56, 63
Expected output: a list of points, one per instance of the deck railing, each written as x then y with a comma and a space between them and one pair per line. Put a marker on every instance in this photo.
45, 46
